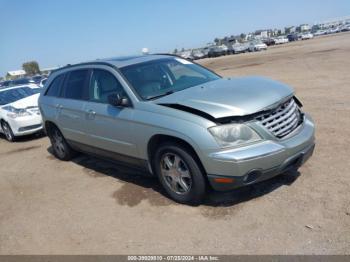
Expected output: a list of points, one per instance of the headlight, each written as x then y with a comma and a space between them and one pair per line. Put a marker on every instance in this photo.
16, 112
233, 134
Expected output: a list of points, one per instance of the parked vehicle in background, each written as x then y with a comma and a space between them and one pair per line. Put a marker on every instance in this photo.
30, 84
293, 37
281, 40
269, 41
306, 36
345, 28
224, 49
238, 48
22, 81
42, 82
205, 51
5, 83
215, 51
37, 79
257, 45
320, 32
197, 54
19, 112
178, 120
333, 30
187, 54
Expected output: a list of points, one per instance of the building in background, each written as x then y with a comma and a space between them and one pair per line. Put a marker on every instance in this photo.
304, 28
261, 34
290, 30
15, 74
281, 31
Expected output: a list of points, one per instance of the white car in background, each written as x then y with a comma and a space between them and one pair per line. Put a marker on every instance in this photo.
42, 82
320, 32
306, 36
187, 54
197, 54
281, 40
224, 49
31, 85
257, 45
238, 48
19, 112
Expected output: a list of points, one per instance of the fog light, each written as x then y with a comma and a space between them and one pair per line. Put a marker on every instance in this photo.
252, 176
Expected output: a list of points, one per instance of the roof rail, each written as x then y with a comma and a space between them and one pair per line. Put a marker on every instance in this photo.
84, 63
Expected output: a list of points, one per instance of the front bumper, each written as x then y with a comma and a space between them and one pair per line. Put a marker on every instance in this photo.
26, 125
251, 164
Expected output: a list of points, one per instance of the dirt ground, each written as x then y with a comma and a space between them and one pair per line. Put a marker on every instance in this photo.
94, 207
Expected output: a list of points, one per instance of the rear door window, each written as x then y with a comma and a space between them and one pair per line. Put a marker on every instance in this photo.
76, 85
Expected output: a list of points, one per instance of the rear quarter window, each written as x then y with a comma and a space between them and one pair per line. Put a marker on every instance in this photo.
55, 86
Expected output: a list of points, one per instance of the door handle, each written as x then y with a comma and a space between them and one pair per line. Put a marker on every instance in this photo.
90, 114
59, 107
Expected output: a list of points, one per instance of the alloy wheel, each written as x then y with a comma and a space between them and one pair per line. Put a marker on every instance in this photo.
176, 174
7, 131
58, 143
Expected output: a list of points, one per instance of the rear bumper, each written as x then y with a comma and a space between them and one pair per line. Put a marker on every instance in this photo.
255, 163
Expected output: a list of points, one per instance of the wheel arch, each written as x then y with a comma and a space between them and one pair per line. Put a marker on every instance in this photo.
2, 120
156, 140
49, 125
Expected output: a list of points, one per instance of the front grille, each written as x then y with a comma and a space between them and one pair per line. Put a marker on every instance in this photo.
283, 120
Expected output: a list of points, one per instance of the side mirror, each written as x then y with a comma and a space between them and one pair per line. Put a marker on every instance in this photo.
117, 100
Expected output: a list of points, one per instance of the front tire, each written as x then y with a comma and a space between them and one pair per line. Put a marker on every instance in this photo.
61, 149
8, 132
179, 174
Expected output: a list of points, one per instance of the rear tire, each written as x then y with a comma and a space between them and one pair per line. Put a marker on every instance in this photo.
60, 147
179, 174
8, 132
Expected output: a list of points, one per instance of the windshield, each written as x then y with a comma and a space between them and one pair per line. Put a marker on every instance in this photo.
12, 95
165, 76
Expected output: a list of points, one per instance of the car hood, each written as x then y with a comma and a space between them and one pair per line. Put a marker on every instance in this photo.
29, 101
228, 97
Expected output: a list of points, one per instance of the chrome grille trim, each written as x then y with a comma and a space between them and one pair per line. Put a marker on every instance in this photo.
282, 120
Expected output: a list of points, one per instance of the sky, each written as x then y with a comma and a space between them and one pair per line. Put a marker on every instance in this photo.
60, 32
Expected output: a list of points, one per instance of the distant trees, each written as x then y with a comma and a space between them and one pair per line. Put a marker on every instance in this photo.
31, 68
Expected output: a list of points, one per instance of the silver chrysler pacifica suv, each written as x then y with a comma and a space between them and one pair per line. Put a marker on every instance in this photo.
178, 120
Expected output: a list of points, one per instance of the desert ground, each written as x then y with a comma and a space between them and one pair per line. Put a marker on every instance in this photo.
90, 206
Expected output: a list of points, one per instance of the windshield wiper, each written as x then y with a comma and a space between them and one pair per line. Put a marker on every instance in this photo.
161, 95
